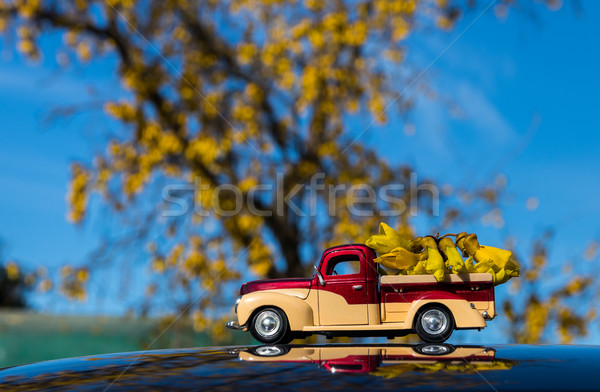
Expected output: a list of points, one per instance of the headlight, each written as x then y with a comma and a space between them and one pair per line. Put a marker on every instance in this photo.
237, 302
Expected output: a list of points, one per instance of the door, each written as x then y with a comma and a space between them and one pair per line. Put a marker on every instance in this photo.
350, 359
343, 300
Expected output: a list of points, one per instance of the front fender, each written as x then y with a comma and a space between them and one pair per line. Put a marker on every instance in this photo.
298, 312
464, 315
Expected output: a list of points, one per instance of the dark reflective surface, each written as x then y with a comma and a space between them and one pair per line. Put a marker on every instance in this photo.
320, 367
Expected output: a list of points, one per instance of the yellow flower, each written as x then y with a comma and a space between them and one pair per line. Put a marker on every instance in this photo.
12, 270
495, 261
387, 240
399, 258
158, 265
83, 275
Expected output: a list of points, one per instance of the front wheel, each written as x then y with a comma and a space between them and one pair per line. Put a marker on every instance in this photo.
434, 325
270, 326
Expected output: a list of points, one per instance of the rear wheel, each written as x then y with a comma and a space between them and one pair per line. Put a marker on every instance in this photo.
270, 326
434, 349
434, 324
270, 351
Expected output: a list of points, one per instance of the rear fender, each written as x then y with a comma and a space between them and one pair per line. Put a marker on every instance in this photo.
298, 312
464, 315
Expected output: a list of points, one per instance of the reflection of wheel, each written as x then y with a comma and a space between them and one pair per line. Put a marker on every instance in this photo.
270, 351
434, 349
270, 326
434, 324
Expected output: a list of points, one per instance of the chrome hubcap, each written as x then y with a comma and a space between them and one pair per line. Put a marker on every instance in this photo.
435, 349
269, 351
434, 321
267, 323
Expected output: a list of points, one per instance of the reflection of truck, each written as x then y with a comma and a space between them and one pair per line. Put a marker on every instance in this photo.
367, 358
348, 297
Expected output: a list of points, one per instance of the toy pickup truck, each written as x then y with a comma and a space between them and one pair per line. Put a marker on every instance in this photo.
370, 358
348, 297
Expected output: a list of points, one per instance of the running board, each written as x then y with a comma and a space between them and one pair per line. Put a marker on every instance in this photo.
366, 327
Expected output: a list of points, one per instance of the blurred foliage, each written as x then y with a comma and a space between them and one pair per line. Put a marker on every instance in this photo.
249, 92
13, 283
550, 300
12, 286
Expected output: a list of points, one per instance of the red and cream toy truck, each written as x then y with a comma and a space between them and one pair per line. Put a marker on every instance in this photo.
370, 358
348, 297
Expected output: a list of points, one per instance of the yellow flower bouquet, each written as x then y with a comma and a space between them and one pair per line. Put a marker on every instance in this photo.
439, 255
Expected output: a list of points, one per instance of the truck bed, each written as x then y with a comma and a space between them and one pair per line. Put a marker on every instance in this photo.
457, 279
398, 292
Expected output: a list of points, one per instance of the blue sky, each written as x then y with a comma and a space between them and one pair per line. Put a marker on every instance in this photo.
527, 91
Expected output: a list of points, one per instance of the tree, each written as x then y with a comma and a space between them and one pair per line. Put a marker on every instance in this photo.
13, 283
12, 287
247, 101
551, 300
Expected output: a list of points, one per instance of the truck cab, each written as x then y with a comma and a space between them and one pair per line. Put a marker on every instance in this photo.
348, 296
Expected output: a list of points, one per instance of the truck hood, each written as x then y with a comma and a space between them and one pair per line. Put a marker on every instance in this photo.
276, 284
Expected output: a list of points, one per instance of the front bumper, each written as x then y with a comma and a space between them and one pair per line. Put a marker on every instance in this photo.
488, 317
234, 325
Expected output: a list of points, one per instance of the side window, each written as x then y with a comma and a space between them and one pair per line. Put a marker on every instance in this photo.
343, 265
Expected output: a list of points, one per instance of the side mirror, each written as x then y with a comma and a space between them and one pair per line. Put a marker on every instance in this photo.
321, 280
